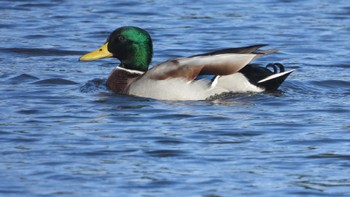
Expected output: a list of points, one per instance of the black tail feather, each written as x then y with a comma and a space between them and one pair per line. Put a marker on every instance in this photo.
277, 67
264, 77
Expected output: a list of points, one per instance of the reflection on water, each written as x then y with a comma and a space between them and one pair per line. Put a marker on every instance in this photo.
63, 133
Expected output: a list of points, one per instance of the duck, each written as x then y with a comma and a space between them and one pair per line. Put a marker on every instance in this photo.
196, 77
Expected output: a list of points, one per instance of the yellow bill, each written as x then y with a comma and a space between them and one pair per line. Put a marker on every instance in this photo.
101, 52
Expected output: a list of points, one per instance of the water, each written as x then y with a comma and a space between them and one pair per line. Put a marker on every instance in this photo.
63, 133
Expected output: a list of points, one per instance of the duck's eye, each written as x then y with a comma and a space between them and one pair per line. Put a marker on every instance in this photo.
121, 38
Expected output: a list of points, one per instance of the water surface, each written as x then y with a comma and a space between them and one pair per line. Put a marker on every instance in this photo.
63, 133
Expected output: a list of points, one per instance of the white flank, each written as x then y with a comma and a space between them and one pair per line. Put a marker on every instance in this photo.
236, 83
170, 89
180, 89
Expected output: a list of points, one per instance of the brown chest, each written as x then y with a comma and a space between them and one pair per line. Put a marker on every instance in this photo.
119, 80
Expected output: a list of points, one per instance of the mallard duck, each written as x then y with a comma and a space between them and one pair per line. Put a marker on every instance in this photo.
183, 78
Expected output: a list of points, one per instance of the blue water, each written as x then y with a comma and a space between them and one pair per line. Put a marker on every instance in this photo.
63, 133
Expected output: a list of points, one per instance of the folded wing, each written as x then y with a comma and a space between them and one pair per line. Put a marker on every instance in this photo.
221, 62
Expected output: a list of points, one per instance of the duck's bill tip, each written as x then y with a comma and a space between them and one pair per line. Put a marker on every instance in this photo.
99, 53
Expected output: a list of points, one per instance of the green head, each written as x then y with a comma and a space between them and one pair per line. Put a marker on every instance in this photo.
131, 45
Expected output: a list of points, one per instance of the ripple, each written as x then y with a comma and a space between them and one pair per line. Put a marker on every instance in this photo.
173, 116
166, 153
102, 152
7, 25
22, 78
26, 139
55, 81
37, 36
41, 51
93, 86
38, 4
13, 190
332, 84
329, 156
169, 141
29, 111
